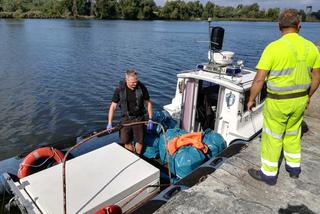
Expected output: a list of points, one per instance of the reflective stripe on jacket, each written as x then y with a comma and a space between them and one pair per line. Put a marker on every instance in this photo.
293, 79
289, 61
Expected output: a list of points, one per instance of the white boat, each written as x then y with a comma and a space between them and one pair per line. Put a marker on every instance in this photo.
209, 98
212, 96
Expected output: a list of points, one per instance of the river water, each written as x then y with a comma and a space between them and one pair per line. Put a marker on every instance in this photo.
57, 77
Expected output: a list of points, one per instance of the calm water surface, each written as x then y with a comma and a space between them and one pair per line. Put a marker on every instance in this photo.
57, 76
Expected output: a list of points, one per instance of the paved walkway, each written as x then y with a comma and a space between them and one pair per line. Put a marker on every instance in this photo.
231, 190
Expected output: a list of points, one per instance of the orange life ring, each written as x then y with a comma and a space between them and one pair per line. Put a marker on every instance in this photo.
31, 158
111, 209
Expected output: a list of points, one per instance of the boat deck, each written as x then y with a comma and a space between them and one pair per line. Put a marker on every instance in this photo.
231, 190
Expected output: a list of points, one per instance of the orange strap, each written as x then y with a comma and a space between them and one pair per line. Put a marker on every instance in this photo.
194, 139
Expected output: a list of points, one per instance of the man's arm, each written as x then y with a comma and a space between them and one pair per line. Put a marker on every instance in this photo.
256, 87
112, 109
315, 81
149, 108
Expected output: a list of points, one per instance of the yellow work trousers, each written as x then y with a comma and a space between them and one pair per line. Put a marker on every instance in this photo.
282, 132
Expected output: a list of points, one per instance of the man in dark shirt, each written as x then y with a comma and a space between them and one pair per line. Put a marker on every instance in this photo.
131, 95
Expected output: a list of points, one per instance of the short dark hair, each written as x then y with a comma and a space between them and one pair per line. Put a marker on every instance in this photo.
289, 18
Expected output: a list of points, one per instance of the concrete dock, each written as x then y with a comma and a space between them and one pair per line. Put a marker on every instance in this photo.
230, 189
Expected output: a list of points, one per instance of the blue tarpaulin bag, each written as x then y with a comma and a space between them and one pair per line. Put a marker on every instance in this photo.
186, 159
150, 145
170, 134
165, 119
214, 141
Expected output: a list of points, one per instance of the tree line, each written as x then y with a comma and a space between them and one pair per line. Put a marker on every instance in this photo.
139, 10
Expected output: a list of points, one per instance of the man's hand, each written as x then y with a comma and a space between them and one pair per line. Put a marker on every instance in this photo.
308, 102
250, 105
109, 128
150, 125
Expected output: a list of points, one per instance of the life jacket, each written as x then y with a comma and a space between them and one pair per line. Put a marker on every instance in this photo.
194, 139
139, 107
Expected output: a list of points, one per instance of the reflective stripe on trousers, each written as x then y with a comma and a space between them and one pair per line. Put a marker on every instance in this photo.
281, 129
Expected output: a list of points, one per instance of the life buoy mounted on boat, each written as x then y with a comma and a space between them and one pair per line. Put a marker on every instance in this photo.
30, 160
111, 209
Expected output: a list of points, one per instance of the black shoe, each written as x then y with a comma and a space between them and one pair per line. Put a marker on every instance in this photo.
257, 174
294, 176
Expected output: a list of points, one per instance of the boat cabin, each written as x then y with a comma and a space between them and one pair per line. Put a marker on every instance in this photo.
215, 96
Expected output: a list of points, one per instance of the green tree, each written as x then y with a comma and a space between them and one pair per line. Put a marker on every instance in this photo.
228, 12
195, 9
53, 8
1, 7
317, 14
129, 8
76, 7
176, 10
170, 10
273, 13
208, 10
252, 10
218, 12
106, 9
303, 15
146, 10
254, 7
183, 10
11, 5
238, 11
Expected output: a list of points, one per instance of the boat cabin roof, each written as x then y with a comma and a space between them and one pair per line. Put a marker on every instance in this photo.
240, 83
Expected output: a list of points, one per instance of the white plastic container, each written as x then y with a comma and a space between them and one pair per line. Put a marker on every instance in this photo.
221, 58
106, 176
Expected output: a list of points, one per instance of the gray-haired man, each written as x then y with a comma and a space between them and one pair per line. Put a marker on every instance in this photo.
132, 96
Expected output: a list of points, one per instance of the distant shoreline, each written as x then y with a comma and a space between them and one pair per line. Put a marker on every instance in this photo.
10, 15
148, 10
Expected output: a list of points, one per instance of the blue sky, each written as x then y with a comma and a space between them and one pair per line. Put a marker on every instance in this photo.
297, 4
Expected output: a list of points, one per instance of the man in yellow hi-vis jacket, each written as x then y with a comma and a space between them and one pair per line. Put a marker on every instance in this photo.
291, 68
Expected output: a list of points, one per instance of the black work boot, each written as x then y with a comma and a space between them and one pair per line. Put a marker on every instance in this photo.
293, 171
257, 174
294, 176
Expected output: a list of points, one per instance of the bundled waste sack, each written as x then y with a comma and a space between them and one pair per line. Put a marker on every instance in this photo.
165, 119
187, 153
150, 145
214, 141
184, 160
170, 134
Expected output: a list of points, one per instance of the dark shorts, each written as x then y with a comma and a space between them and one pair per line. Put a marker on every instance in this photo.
127, 134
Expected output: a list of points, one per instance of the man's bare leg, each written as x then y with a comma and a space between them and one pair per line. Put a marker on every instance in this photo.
129, 147
139, 148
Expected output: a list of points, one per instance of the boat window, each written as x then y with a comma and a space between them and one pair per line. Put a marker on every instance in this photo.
181, 86
207, 104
